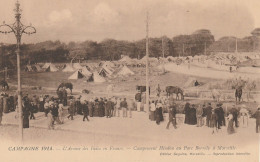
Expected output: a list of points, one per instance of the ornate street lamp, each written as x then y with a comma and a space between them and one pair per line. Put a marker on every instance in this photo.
18, 29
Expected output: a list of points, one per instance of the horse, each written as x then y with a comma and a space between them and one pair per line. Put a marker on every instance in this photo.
4, 85
238, 93
67, 85
177, 90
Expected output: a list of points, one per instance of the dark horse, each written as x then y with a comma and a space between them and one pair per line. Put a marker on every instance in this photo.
4, 85
238, 93
177, 90
67, 85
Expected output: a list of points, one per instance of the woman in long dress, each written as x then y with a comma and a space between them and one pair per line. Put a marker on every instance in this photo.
187, 112
230, 128
192, 115
26, 113
152, 111
158, 113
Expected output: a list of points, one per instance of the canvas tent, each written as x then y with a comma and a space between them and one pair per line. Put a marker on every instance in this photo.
68, 68
46, 65
85, 71
51, 68
95, 77
37, 67
105, 72
125, 71
76, 75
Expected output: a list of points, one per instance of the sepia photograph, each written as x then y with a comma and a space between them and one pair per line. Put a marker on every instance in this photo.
137, 81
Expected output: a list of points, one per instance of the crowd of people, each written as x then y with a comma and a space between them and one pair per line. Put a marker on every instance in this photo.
57, 108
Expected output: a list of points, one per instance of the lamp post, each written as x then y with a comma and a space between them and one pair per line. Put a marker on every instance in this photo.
18, 29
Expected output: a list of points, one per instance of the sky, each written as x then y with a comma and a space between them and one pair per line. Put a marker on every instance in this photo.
80, 20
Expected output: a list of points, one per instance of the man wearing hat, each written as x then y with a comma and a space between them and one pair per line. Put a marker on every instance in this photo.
235, 114
257, 116
220, 116
208, 114
85, 110
172, 115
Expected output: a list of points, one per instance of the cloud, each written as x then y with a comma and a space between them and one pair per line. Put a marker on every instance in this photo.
59, 17
104, 14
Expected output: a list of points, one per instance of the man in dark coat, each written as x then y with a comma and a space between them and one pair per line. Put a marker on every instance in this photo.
208, 114
96, 108
101, 108
85, 110
257, 116
32, 108
187, 112
26, 112
138, 99
235, 114
109, 107
64, 96
220, 115
78, 106
172, 116
192, 115
91, 107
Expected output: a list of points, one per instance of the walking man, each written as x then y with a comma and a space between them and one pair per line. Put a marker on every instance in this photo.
123, 105
85, 110
172, 115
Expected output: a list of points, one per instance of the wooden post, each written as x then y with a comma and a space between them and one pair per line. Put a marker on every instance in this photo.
147, 62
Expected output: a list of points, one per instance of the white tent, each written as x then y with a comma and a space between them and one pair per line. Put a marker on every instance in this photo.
85, 71
125, 59
104, 71
51, 68
46, 65
125, 71
76, 75
77, 66
68, 68
96, 78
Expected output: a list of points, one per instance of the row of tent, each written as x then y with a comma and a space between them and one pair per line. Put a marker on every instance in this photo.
99, 76
37, 68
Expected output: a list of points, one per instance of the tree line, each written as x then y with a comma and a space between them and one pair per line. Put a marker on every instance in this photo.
197, 43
